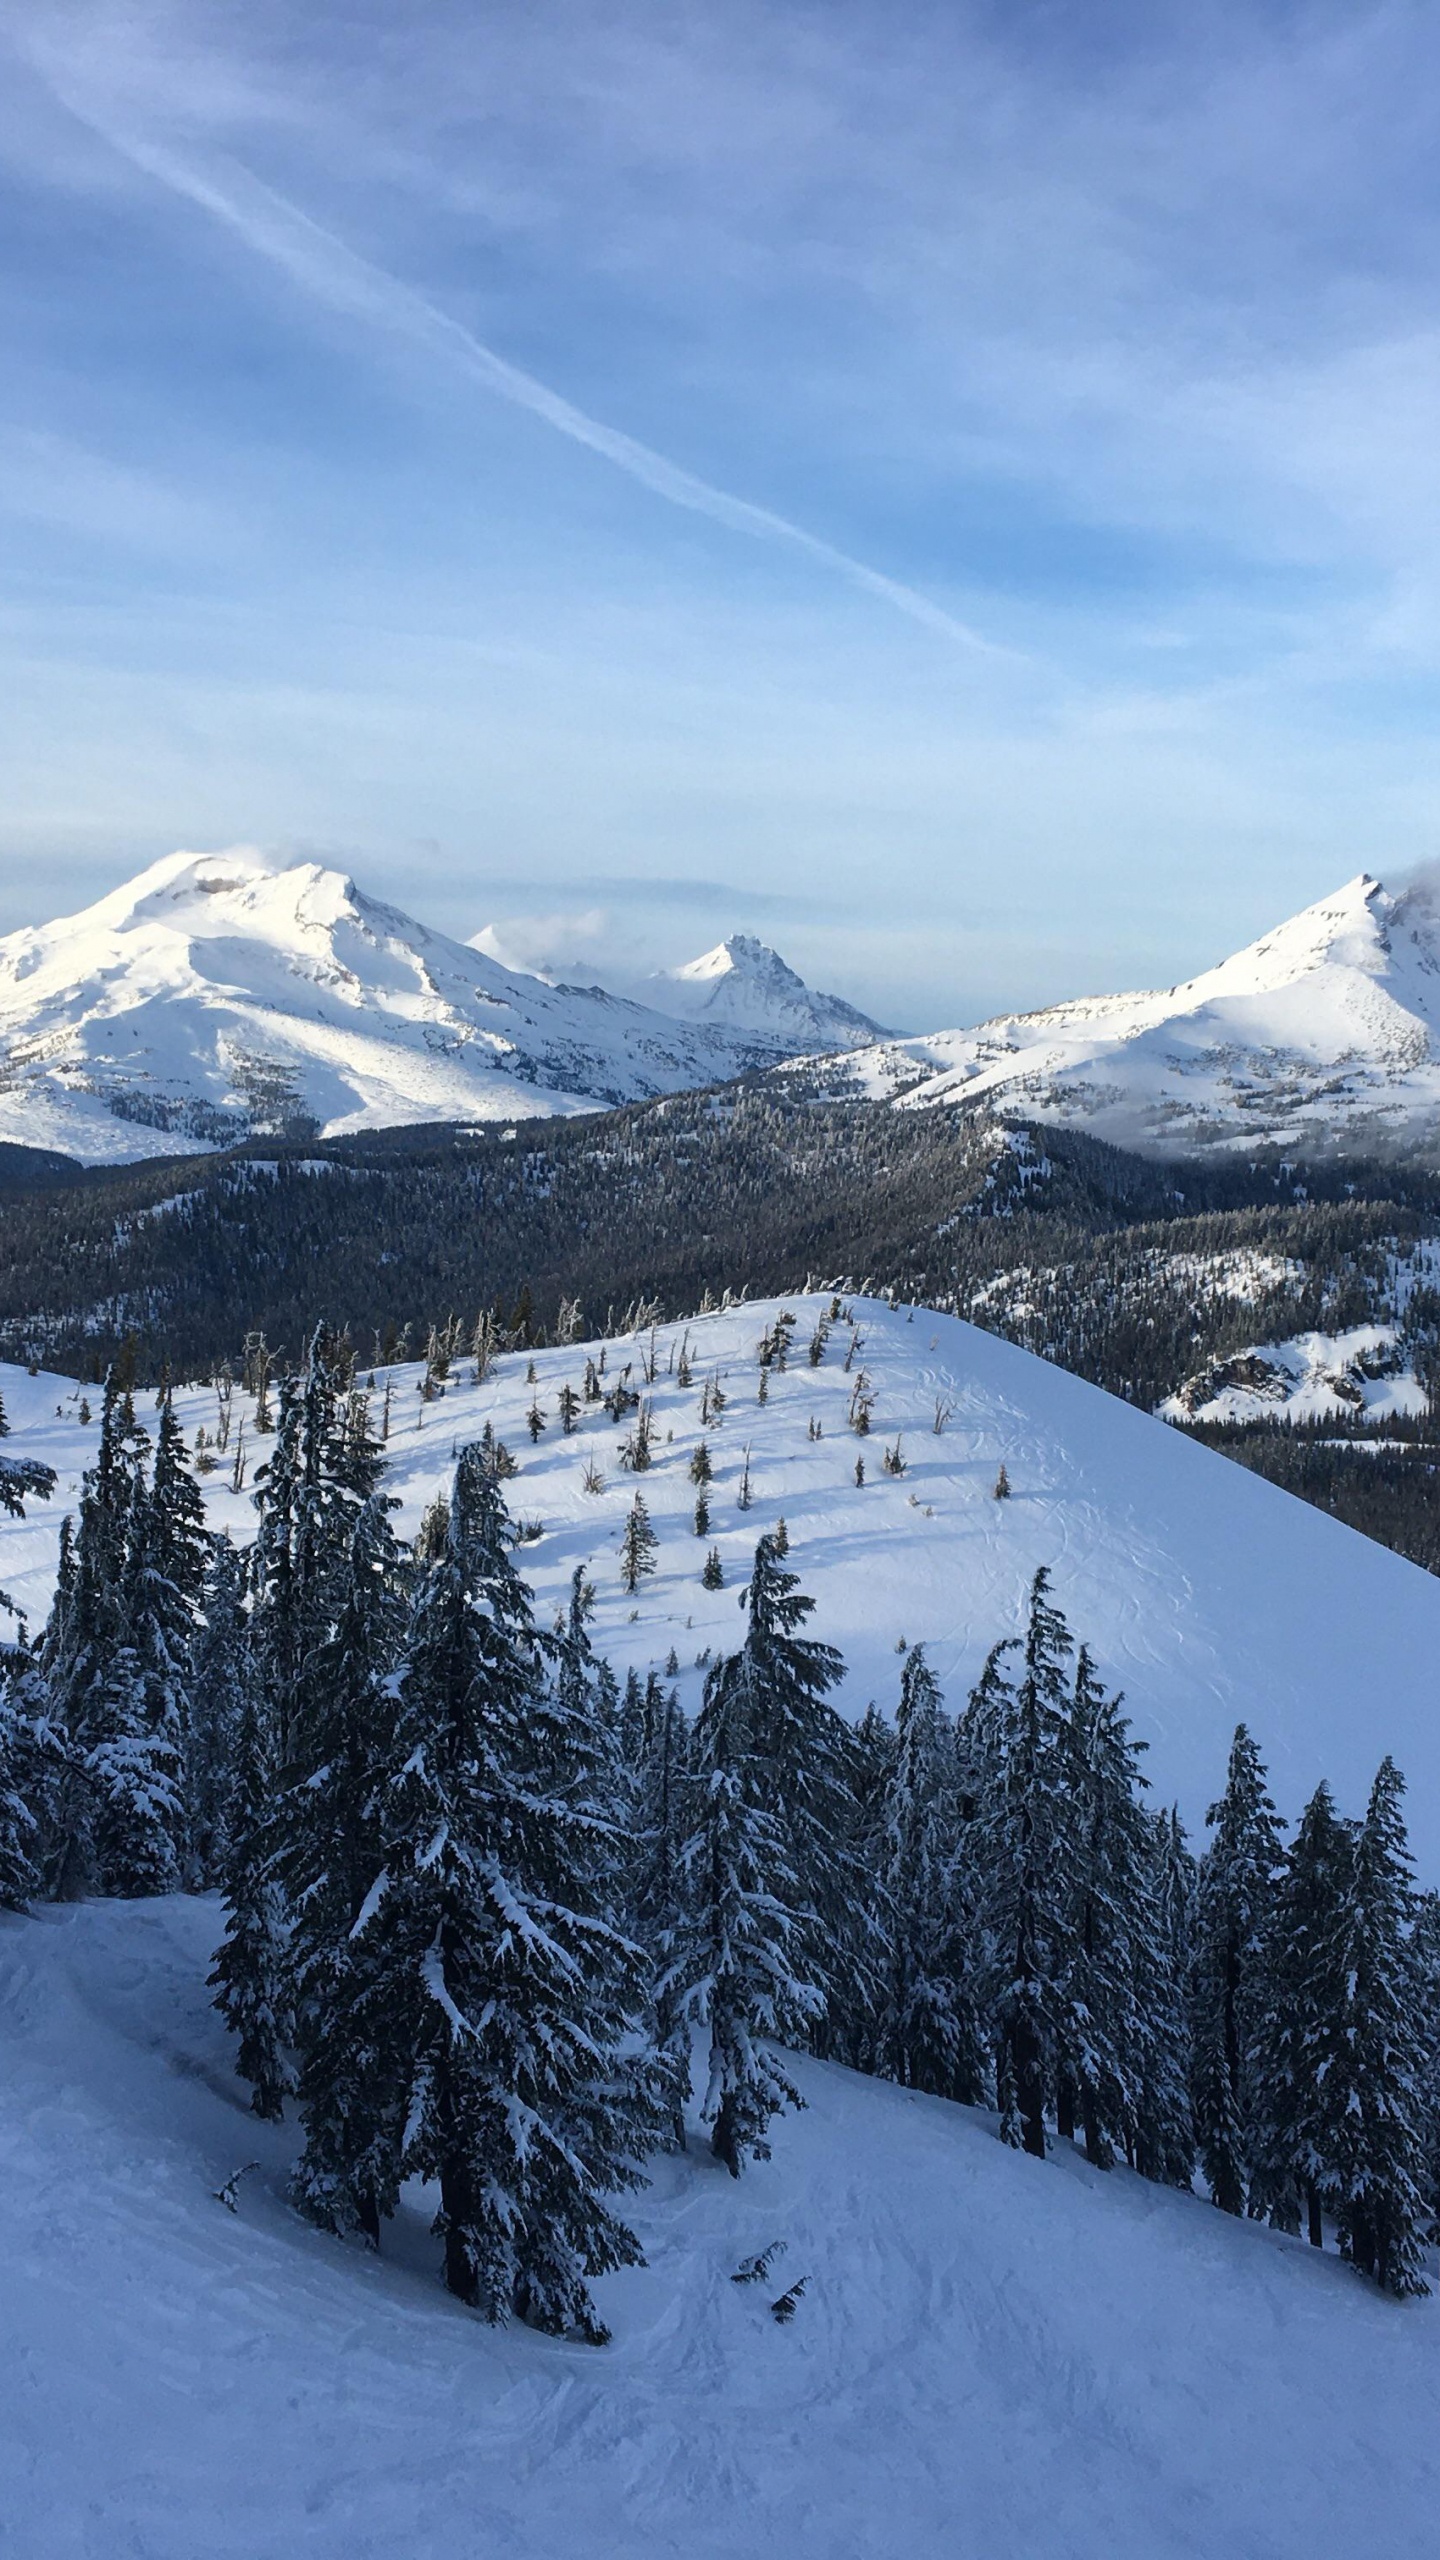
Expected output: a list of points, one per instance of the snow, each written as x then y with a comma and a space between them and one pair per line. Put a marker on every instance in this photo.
219, 995
745, 985
1321, 1034
1314, 1377
1205, 1593
993, 2355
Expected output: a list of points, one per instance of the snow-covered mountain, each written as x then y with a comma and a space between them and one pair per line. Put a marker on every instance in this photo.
744, 987
1323, 1037
219, 996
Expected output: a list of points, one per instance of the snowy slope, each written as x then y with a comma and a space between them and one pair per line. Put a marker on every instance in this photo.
996, 2358
1323, 1035
1358, 1375
217, 995
746, 988
1205, 1593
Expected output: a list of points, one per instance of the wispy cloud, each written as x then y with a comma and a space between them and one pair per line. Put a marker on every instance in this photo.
326, 267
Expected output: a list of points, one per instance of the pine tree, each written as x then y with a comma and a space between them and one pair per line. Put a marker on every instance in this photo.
804, 1754
1380, 2202
87, 1632
712, 1576
742, 1973
1164, 2142
702, 1516
1297, 2062
1233, 1912
325, 1465
927, 2030
1101, 2033
701, 1467
31, 1758
568, 1406
638, 1547
661, 1902
330, 1856
249, 1977
221, 1676
1018, 1744
492, 1958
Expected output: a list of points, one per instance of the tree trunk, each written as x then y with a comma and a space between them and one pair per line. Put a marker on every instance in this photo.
722, 2140
455, 2203
1030, 2090
1065, 2107
1312, 2212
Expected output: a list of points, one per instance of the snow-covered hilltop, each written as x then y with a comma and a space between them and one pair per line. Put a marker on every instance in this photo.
1323, 1037
744, 987
219, 996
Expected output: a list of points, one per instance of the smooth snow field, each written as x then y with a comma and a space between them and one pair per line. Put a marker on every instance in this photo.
1205, 1594
994, 2356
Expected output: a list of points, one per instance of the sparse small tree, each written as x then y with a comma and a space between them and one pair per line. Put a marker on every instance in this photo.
638, 1546
1002, 1484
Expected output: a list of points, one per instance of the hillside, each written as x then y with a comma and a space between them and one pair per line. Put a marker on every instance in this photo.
1204, 1593
994, 2355
1319, 1039
218, 996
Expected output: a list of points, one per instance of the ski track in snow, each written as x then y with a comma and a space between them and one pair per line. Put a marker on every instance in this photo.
993, 2357
1204, 1593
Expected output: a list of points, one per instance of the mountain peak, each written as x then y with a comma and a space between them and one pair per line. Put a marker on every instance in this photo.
216, 997
746, 984
1320, 1038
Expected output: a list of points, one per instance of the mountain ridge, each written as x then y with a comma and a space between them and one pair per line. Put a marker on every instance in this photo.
1321, 1037
218, 997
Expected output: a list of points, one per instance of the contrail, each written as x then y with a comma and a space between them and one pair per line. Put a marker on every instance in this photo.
325, 267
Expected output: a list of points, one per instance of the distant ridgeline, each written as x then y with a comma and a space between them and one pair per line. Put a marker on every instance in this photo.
479, 1899
1168, 1284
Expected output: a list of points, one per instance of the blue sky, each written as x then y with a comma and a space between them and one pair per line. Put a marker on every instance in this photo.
953, 489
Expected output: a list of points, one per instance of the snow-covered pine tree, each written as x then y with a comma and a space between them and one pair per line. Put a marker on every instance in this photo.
86, 1631
329, 1858
1380, 2197
742, 1974
1297, 2061
927, 2033
1017, 1749
804, 1757
1234, 1904
662, 1911
325, 1465
1100, 2030
496, 1971
250, 1977
1164, 2138
638, 1546
141, 1715
31, 1760
221, 1676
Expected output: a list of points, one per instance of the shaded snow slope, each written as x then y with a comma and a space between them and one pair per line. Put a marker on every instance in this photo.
748, 989
1320, 1037
1206, 1594
216, 996
994, 2356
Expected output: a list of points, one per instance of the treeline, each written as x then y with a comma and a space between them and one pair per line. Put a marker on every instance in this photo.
480, 1897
